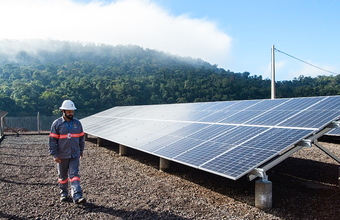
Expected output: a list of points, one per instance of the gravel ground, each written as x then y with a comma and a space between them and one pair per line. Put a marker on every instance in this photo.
132, 187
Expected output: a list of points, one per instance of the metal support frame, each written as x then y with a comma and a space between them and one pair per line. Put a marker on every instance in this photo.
316, 143
307, 142
258, 172
254, 173
263, 187
334, 124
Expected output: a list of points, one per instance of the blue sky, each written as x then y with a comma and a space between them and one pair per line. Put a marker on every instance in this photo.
306, 29
235, 35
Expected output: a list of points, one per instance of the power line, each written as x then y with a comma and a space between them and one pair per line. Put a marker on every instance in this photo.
305, 62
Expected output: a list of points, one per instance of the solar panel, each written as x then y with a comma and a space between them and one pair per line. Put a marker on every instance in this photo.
228, 138
334, 132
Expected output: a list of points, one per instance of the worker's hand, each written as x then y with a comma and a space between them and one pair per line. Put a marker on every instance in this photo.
57, 160
80, 157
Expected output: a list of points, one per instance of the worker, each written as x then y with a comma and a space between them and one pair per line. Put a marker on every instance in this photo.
66, 145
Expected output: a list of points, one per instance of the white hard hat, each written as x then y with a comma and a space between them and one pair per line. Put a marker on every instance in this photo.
68, 105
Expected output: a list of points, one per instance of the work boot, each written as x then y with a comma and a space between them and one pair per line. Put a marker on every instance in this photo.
80, 200
63, 198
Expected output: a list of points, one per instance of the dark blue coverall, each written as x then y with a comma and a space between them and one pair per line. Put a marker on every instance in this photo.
67, 142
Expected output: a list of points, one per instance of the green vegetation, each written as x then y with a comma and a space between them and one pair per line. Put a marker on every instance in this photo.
98, 77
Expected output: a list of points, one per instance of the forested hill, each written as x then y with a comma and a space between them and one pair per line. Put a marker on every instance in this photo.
98, 77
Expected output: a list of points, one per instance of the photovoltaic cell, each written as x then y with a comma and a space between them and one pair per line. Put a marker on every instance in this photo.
276, 139
177, 147
271, 118
309, 119
158, 143
219, 106
210, 132
240, 117
334, 132
226, 138
215, 116
202, 153
238, 135
237, 161
267, 104
190, 129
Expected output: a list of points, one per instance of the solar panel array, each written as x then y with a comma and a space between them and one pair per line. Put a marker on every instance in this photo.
334, 132
228, 138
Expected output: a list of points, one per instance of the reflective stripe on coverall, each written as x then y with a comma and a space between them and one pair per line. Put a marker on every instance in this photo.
68, 170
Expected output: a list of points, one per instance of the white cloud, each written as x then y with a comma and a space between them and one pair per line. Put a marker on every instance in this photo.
137, 22
308, 70
302, 69
285, 70
279, 65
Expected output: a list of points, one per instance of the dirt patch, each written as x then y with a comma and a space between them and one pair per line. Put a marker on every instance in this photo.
132, 187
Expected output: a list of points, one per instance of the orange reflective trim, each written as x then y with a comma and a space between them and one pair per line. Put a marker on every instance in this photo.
63, 136
77, 135
75, 179
54, 135
62, 181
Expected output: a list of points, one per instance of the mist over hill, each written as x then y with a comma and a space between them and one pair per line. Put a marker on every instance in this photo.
35, 52
37, 75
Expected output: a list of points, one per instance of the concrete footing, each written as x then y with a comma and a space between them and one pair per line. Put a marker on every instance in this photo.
263, 194
122, 150
164, 164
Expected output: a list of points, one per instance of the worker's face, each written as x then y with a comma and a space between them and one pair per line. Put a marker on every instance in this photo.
69, 114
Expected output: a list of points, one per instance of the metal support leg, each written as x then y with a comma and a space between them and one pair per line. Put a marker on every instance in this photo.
326, 151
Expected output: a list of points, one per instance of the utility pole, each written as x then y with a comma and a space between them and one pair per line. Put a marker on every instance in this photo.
273, 74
